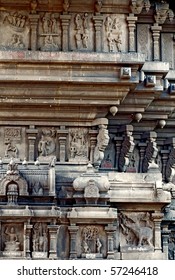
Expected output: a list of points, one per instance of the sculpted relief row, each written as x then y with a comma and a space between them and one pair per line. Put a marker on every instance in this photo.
50, 31
119, 151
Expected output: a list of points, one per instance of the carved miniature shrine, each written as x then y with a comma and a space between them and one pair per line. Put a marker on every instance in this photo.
87, 114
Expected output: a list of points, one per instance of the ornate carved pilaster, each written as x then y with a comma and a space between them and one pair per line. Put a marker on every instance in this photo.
34, 18
65, 21
62, 138
110, 229
127, 148
118, 142
53, 241
156, 41
165, 238
142, 147
73, 236
151, 151
132, 25
98, 21
27, 240
102, 140
31, 134
157, 218
164, 154
93, 142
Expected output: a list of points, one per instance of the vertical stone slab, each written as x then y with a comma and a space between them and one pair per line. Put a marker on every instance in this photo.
110, 229
98, 21
73, 236
34, 30
167, 48
31, 134
53, 241
156, 41
27, 238
131, 26
144, 40
157, 218
65, 22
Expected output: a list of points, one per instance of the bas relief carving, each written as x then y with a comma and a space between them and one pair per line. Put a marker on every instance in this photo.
50, 32
14, 30
40, 240
114, 33
47, 144
91, 242
136, 231
78, 144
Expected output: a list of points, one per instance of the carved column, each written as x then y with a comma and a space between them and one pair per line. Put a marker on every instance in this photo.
110, 229
27, 238
164, 154
157, 218
73, 236
65, 21
98, 22
131, 25
51, 182
165, 237
142, 147
62, 138
34, 31
53, 241
118, 142
31, 132
156, 41
93, 142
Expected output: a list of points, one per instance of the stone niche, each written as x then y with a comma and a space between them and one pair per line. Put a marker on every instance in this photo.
12, 240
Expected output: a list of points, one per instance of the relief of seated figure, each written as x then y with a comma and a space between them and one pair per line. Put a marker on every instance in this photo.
11, 243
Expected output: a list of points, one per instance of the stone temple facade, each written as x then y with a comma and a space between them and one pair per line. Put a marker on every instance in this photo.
87, 129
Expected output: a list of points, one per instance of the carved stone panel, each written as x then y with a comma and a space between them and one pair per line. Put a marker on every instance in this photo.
167, 48
40, 240
136, 232
12, 240
81, 32
14, 30
115, 33
78, 144
144, 40
47, 144
13, 143
91, 242
49, 32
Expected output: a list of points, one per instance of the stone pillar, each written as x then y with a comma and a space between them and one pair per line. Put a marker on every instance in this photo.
33, 35
65, 21
73, 236
157, 218
98, 22
93, 142
62, 138
31, 132
142, 148
156, 41
165, 154
118, 142
51, 182
53, 241
27, 238
165, 237
131, 19
110, 229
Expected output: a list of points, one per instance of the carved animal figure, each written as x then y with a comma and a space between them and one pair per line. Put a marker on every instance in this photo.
142, 233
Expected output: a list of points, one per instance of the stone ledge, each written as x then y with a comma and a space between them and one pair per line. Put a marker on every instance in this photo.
71, 57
